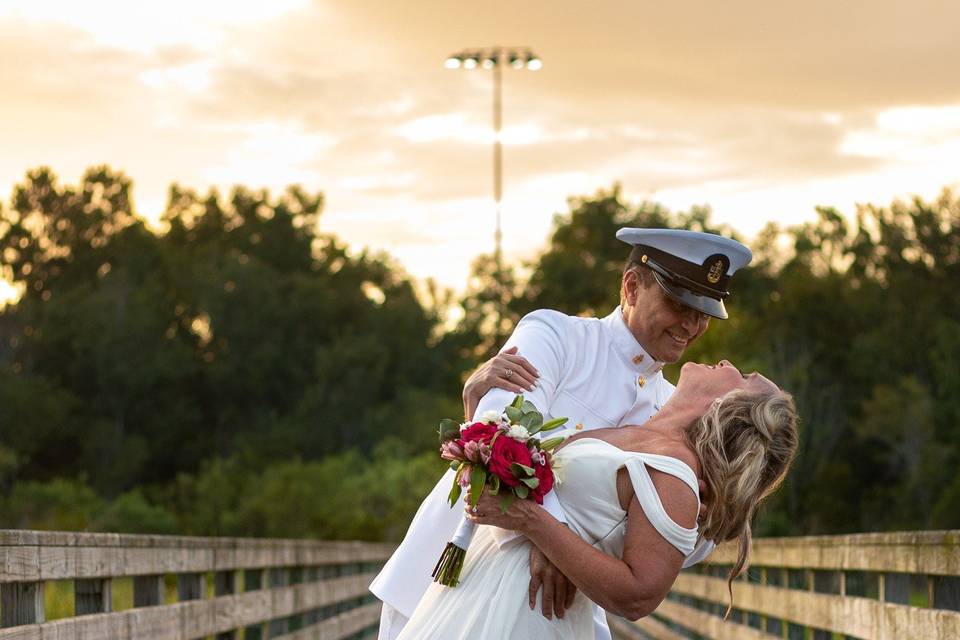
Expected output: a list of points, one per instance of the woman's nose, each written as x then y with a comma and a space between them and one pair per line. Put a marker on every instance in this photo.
725, 363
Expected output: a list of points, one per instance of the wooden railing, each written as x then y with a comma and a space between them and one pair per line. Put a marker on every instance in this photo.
875, 585
186, 587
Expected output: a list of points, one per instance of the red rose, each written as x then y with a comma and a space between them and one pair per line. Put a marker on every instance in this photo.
478, 432
544, 474
505, 452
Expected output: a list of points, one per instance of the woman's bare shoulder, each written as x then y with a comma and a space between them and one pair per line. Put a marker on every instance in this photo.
643, 442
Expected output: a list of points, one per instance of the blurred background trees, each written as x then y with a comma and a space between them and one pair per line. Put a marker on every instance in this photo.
239, 372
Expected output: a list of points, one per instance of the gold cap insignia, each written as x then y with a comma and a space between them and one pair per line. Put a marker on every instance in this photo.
716, 272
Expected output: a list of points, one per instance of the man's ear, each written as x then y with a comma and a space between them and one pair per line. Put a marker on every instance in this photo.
630, 284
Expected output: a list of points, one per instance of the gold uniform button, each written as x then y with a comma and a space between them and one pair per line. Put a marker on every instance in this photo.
641, 381
638, 359
579, 426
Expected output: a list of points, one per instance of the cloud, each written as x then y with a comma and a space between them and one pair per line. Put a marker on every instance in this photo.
738, 105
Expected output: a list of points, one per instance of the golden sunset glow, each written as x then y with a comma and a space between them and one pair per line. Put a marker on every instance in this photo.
760, 111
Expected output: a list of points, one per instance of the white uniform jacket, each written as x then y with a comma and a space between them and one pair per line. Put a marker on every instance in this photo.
592, 371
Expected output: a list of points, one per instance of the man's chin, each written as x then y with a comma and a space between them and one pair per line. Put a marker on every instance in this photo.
671, 352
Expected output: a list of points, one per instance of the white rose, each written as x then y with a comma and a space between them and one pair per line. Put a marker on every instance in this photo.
518, 432
490, 417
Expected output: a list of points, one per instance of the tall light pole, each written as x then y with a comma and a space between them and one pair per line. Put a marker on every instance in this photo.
494, 58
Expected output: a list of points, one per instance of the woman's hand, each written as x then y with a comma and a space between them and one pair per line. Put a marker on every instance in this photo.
520, 515
558, 591
507, 370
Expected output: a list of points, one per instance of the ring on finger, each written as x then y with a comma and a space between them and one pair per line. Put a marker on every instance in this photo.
508, 373
474, 510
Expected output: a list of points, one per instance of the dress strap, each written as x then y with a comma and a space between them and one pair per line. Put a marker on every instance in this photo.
683, 539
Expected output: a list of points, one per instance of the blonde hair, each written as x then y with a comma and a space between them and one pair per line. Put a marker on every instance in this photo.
745, 443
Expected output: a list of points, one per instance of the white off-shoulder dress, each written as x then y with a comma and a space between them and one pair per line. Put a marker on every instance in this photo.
491, 601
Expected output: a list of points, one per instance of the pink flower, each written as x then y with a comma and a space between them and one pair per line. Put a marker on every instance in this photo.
464, 478
451, 450
471, 449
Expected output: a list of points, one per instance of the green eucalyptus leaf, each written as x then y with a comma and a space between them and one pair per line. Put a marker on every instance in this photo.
494, 484
449, 429
529, 407
521, 491
527, 420
514, 414
520, 470
455, 465
517, 402
533, 483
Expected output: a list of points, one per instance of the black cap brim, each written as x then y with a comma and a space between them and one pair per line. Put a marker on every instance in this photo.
705, 304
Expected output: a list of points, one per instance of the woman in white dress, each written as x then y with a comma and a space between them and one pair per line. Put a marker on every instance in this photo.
632, 497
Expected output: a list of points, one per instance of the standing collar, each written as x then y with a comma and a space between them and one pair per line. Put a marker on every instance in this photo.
628, 347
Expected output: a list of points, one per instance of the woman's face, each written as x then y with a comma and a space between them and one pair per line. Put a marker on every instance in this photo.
717, 380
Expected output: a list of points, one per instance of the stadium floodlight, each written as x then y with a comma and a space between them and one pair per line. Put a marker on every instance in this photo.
490, 58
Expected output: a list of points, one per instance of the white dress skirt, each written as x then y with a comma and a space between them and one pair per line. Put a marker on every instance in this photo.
491, 601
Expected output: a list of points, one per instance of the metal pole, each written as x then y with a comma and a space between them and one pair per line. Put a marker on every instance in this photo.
497, 155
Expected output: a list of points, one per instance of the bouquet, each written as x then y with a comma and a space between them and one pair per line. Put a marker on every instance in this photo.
502, 453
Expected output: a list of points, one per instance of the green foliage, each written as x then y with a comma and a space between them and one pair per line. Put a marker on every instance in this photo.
132, 512
856, 320
241, 373
344, 496
57, 505
137, 355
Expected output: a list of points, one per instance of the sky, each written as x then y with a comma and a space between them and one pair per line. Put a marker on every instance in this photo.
761, 110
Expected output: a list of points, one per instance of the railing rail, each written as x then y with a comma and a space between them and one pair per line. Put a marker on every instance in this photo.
874, 585
266, 587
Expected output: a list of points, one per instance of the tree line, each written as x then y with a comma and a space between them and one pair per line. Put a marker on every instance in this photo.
235, 370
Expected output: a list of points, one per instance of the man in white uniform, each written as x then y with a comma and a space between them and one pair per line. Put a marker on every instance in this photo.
595, 372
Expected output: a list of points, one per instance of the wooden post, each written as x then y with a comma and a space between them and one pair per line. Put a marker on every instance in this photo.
254, 580
148, 591
225, 584
92, 596
279, 577
21, 603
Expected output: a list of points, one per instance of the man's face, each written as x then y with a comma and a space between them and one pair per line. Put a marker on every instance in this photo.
662, 326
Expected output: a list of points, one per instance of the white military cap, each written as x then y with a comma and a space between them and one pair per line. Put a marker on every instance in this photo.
692, 267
